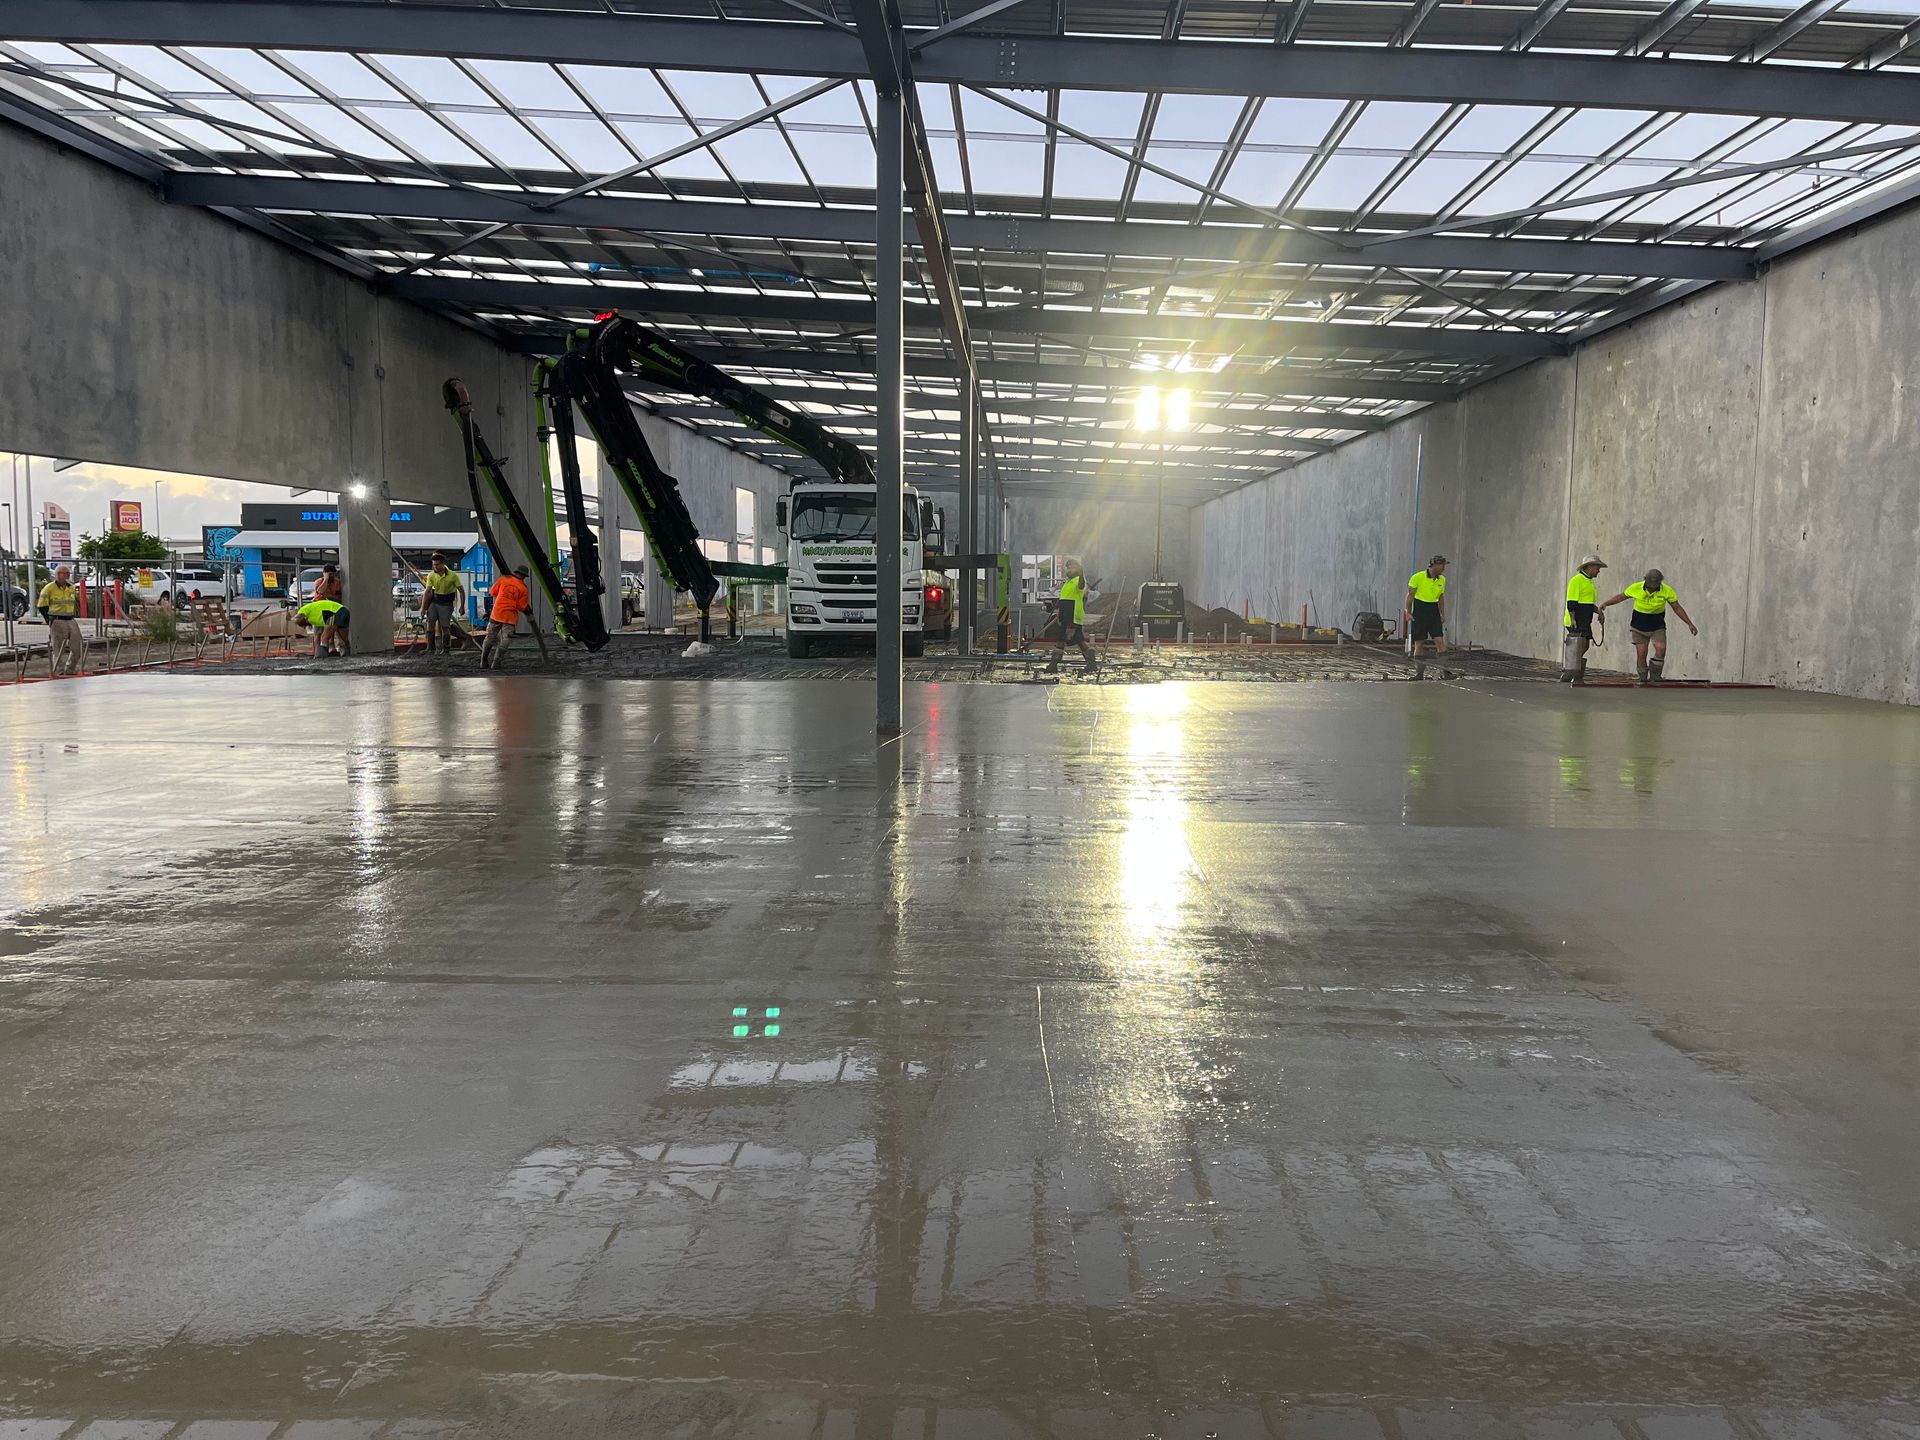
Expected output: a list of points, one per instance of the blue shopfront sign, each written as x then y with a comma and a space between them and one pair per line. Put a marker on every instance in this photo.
397, 516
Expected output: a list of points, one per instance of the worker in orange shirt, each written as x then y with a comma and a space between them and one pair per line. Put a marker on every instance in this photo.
510, 599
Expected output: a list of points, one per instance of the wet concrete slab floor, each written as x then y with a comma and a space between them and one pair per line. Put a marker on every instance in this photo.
548, 1057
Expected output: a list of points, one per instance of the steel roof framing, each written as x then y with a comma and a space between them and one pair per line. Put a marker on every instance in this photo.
1027, 62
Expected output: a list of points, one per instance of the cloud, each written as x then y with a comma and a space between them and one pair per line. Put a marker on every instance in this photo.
88, 491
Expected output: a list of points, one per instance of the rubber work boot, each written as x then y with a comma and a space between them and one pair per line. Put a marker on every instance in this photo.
1640, 675
1655, 669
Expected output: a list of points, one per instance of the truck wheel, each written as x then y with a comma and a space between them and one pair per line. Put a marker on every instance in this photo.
913, 646
798, 646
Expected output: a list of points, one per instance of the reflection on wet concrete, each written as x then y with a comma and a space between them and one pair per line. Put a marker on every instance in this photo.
559, 1058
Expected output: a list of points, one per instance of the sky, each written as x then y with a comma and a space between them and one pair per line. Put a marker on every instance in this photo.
88, 491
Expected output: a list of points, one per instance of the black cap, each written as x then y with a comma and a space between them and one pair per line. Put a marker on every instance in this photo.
1436, 560
522, 571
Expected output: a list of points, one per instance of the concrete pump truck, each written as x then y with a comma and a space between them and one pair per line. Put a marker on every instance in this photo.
831, 526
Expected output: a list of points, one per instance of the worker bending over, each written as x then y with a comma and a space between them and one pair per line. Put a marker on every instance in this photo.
1650, 598
1073, 621
510, 599
1583, 604
1426, 608
328, 620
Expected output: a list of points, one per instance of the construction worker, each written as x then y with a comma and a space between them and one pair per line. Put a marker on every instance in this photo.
58, 604
1073, 621
510, 599
438, 600
1651, 597
328, 619
329, 586
1426, 609
1583, 604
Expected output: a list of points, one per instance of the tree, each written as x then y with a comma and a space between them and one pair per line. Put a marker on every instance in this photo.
136, 546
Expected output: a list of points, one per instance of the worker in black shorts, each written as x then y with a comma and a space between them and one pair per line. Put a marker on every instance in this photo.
1426, 609
1651, 597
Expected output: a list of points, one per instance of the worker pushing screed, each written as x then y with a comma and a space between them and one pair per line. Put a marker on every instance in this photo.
1072, 606
1651, 597
1583, 607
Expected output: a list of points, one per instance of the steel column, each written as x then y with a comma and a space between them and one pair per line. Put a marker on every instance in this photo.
964, 602
890, 365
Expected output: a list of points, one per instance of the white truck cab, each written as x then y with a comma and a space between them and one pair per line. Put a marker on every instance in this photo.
832, 531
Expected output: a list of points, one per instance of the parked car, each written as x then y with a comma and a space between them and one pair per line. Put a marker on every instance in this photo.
936, 594
18, 601
633, 598
301, 590
193, 582
408, 589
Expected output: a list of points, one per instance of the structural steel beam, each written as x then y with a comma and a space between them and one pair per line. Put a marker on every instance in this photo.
1245, 334
1246, 432
1042, 62
1008, 234
1241, 417
1248, 384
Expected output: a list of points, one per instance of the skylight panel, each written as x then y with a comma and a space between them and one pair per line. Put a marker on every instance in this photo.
1591, 132
530, 86
47, 54
844, 160
589, 145
344, 75
761, 155
1523, 185
1392, 125
1262, 176
422, 133
1493, 127
1666, 208
346, 133
1784, 140
1346, 180
714, 92
1083, 172
1006, 167
1109, 114
436, 80
248, 69
1431, 183
193, 132
1197, 163
623, 92
510, 141
232, 108
1691, 136
157, 69
1197, 117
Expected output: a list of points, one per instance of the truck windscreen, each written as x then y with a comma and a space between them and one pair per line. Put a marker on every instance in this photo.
844, 517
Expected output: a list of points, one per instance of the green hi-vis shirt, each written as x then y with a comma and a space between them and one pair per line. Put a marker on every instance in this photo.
59, 601
447, 584
1649, 604
319, 612
1076, 590
1580, 591
1427, 587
